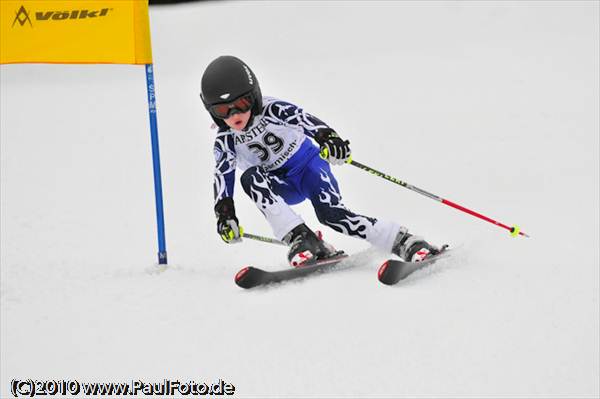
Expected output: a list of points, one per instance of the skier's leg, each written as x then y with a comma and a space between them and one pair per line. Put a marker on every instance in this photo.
388, 236
321, 187
272, 196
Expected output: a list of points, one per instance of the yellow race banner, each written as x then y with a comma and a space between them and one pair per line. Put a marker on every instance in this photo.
75, 31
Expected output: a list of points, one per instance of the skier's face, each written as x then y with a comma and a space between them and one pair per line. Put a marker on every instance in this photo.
238, 121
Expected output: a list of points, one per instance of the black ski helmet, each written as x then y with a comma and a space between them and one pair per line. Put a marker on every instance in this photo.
226, 79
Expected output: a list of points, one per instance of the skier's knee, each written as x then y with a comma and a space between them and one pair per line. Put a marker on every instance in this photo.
252, 177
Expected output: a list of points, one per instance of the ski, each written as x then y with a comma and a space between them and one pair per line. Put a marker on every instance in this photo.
250, 276
392, 270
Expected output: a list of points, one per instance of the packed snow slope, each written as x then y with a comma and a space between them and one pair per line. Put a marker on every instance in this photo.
491, 105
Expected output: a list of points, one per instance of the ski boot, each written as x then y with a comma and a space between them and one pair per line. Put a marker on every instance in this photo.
413, 248
306, 246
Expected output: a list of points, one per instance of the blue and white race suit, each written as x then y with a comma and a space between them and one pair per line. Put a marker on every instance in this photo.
282, 167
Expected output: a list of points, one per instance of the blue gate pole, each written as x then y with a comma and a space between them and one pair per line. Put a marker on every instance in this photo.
160, 222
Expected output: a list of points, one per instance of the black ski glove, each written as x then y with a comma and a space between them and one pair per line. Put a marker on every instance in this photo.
333, 149
228, 226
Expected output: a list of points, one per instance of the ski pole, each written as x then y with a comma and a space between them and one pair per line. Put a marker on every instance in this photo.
514, 230
263, 239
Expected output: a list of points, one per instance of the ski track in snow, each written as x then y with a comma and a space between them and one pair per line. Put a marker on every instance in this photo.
493, 105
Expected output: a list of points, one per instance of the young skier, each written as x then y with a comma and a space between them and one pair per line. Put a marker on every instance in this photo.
270, 141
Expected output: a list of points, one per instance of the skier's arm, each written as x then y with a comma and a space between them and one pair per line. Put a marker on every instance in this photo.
335, 150
225, 163
224, 179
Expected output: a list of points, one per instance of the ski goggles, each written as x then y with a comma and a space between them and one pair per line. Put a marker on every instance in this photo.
225, 110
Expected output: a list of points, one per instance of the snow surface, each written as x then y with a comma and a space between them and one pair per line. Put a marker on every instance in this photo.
491, 105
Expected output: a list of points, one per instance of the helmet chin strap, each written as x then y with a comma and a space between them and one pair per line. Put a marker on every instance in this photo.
219, 122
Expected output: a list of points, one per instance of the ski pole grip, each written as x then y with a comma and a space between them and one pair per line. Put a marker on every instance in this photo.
324, 153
